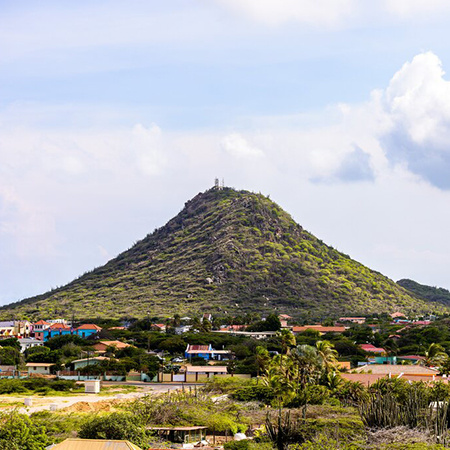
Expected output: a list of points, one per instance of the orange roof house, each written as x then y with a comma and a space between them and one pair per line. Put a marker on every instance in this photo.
320, 328
103, 345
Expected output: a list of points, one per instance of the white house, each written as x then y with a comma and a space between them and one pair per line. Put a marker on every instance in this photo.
40, 368
26, 343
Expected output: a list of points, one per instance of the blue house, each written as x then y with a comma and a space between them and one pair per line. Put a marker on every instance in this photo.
206, 352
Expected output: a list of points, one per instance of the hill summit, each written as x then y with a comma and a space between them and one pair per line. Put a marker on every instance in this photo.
226, 251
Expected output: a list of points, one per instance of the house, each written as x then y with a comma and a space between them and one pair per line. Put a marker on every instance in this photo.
197, 373
233, 327
159, 327
93, 444
357, 320
284, 319
40, 326
15, 328
183, 329
39, 368
397, 370
26, 343
181, 435
207, 316
55, 329
397, 315
88, 329
100, 347
319, 328
206, 352
252, 334
80, 363
7, 328
369, 348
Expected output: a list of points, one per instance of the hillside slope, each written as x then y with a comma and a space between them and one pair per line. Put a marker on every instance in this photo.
231, 251
430, 293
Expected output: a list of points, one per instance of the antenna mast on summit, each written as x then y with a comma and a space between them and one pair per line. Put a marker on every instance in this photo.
217, 185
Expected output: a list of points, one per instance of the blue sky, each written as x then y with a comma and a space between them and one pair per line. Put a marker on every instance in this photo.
113, 114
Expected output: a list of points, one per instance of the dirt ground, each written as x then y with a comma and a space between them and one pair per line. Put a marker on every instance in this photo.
80, 402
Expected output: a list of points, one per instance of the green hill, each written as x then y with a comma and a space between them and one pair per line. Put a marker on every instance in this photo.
231, 251
430, 293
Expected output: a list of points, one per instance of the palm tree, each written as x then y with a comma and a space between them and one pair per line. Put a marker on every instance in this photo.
261, 357
435, 355
327, 353
309, 364
287, 340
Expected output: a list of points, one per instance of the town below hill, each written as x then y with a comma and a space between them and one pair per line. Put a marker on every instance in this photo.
245, 382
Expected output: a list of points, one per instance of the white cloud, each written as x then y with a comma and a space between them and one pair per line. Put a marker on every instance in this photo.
147, 145
237, 146
330, 13
414, 8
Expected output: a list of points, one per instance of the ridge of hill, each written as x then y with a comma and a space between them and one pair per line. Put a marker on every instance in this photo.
429, 293
226, 251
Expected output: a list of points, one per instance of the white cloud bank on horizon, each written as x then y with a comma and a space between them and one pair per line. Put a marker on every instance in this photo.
334, 14
73, 197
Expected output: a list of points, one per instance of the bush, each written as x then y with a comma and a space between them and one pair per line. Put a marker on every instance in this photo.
237, 445
119, 426
259, 393
18, 432
312, 394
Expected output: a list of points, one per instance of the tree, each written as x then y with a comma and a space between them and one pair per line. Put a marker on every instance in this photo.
308, 362
328, 354
262, 358
287, 340
435, 355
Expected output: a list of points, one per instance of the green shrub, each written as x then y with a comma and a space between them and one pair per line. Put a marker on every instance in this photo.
114, 426
251, 393
18, 432
237, 445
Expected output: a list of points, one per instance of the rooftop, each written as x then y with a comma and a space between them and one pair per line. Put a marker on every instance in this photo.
94, 444
89, 326
397, 369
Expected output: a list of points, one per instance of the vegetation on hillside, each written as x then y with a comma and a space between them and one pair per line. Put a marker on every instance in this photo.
430, 293
230, 251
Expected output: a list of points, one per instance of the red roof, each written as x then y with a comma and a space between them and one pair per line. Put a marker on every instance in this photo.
56, 326
89, 326
41, 322
319, 328
372, 349
412, 357
198, 347
397, 314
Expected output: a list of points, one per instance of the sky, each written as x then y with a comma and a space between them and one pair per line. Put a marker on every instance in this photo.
113, 114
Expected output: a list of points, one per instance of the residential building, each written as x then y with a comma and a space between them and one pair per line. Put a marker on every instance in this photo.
357, 320
15, 328
26, 343
252, 334
206, 352
94, 444
159, 327
80, 363
40, 326
101, 346
39, 368
183, 329
319, 328
88, 329
369, 348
